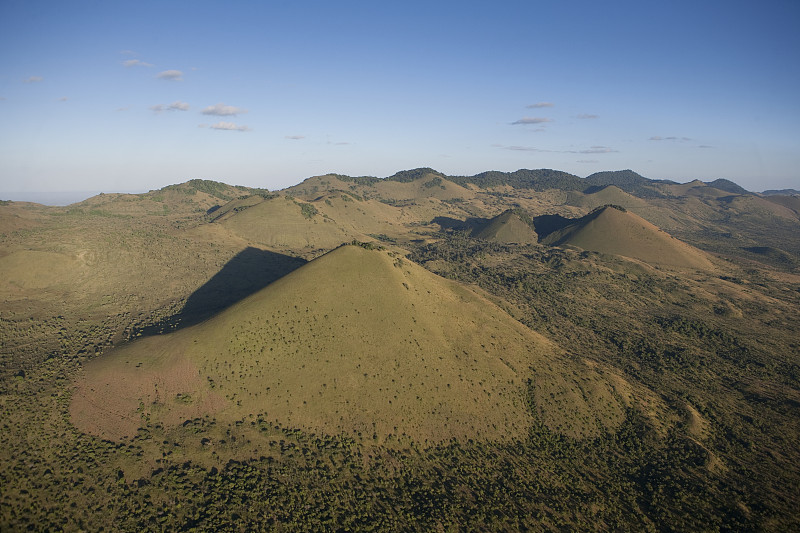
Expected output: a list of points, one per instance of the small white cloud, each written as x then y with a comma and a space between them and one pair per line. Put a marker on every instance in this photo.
33, 79
222, 110
174, 106
295, 137
2, 98
63, 99
170, 75
540, 105
229, 126
587, 116
532, 120
704, 146
135, 63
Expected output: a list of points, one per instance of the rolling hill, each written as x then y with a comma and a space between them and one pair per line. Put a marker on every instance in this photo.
613, 230
355, 342
605, 195
508, 226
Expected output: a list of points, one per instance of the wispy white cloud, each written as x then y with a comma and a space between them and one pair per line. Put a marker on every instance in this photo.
526, 149
170, 75
63, 99
295, 137
33, 79
135, 63
674, 139
587, 116
229, 126
174, 106
222, 110
590, 150
540, 105
532, 120
705, 146
594, 150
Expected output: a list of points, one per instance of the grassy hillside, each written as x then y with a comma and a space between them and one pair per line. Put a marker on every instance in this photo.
356, 342
508, 226
609, 194
532, 386
612, 230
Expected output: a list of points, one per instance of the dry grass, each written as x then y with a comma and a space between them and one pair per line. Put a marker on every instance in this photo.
612, 231
355, 342
508, 227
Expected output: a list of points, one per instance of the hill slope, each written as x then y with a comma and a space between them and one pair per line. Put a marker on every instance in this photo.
604, 195
355, 342
612, 230
508, 227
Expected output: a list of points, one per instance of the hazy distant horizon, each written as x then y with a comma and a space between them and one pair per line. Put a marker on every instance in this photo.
64, 198
56, 198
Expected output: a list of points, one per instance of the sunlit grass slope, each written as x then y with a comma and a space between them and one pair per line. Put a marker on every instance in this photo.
610, 194
355, 342
282, 223
508, 227
612, 230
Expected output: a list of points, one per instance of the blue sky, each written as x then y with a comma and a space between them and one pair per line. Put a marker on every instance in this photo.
131, 96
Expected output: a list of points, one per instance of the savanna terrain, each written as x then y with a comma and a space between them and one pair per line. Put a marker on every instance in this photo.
505, 351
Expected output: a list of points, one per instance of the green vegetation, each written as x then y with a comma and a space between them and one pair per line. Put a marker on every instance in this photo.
213, 188
307, 210
627, 180
406, 176
435, 182
359, 180
537, 180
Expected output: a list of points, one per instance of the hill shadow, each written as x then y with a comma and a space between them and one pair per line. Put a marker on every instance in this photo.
248, 272
547, 224
472, 223
594, 188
